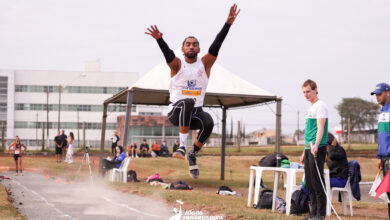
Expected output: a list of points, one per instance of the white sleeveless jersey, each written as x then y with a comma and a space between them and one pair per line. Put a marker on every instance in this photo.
190, 82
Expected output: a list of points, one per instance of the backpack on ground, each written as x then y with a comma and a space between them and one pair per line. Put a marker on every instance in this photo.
299, 202
224, 188
280, 204
132, 176
265, 201
182, 185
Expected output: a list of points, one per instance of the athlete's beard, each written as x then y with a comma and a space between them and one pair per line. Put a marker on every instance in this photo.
191, 55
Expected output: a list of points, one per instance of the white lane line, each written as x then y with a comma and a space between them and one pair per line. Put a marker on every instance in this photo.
131, 208
44, 200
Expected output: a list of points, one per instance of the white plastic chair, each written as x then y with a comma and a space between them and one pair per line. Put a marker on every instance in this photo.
346, 191
121, 171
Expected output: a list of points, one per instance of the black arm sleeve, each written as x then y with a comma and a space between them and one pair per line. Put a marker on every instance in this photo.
168, 53
216, 45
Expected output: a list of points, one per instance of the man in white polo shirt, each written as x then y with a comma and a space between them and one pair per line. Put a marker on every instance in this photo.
316, 135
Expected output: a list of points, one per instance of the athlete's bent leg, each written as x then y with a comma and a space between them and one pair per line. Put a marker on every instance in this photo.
204, 122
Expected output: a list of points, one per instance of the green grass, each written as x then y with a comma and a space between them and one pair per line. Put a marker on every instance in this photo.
244, 150
284, 148
204, 197
7, 211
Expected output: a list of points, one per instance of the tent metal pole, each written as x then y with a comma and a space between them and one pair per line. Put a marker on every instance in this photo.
128, 115
278, 129
103, 133
277, 148
223, 143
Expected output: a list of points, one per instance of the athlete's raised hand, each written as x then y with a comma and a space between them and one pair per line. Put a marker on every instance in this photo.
232, 14
154, 32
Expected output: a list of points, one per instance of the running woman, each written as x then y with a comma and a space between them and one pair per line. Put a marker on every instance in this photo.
189, 79
17, 152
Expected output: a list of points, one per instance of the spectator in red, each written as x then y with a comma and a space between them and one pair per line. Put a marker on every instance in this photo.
155, 149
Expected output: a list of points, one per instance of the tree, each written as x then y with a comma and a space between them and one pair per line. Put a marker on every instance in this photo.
298, 135
231, 129
363, 114
243, 132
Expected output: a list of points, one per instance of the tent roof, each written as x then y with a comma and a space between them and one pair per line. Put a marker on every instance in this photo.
224, 89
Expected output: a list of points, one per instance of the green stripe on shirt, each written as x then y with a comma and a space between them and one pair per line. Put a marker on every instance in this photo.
384, 127
311, 133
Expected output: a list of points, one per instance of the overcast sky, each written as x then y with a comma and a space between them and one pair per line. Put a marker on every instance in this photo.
275, 44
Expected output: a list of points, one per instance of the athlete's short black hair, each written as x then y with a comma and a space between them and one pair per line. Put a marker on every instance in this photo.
190, 37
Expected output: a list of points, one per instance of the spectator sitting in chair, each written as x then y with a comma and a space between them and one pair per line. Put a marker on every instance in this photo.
133, 150
144, 149
176, 145
155, 149
337, 162
120, 155
164, 151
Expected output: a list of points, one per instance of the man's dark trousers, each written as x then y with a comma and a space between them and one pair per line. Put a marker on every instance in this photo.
313, 182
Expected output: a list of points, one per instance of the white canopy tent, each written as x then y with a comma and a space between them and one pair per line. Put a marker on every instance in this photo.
225, 90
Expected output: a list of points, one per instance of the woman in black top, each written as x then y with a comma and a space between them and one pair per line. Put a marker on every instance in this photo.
337, 162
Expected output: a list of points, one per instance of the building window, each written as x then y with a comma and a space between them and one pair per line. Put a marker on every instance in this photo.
153, 131
68, 89
150, 113
72, 108
3, 101
64, 125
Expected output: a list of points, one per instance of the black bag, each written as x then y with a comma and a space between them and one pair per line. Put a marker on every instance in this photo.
270, 160
182, 185
299, 202
280, 204
132, 176
265, 201
224, 188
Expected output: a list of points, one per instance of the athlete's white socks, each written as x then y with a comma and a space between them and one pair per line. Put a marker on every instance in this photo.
183, 139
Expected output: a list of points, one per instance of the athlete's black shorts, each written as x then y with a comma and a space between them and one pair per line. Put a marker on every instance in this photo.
16, 156
185, 114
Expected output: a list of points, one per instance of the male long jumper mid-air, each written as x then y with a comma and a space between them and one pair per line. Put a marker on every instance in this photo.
187, 89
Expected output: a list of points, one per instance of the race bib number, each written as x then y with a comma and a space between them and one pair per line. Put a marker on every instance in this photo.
190, 92
17, 151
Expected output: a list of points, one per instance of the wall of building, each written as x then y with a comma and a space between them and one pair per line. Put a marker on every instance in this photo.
82, 96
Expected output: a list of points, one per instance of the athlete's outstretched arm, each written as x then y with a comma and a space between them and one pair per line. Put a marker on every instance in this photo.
173, 62
9, 146
209, 59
